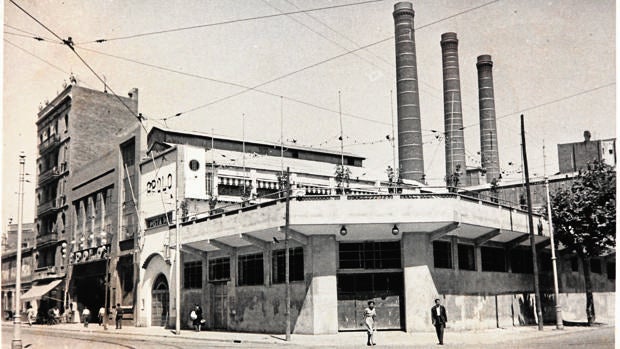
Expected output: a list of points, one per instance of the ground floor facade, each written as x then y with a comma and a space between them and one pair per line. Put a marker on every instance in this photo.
476, 258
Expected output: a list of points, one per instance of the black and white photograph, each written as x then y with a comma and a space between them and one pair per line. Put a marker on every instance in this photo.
308, 174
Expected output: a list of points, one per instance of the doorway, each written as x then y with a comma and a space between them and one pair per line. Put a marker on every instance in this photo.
160, 302
220, 305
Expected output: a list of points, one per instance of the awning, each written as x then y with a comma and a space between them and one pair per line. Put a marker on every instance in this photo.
39, 291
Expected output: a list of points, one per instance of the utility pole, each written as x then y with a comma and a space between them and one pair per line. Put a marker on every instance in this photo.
177, 254
16, 343
559, 323
393, 136
286, 256
341, 134
107, 286
531, 227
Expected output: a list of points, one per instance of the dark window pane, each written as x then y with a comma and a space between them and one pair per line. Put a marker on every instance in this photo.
595, 266
192, 275
493, 259
611, 270
250, 269
296, 265
521, 261
442, 254
219, 269
467, 257
370, 255
574, 264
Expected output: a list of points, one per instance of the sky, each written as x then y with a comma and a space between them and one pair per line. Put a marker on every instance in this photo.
554, 61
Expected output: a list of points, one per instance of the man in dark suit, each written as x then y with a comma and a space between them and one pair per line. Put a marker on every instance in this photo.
438, 314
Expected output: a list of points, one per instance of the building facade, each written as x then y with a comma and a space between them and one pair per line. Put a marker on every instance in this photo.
77, 131
400, 249
9, 265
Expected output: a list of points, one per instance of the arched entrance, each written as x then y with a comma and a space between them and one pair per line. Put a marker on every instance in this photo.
160, 301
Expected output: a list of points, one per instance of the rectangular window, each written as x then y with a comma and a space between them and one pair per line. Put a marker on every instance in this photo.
192, 274
493, 259
545, 262
296, 265
521, 261
250, 270
128, 151
442, 254
467, 257
595, 266
219, 269
370, 255
574, 264
611, 270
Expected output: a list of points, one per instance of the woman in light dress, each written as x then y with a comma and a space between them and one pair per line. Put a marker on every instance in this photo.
369, 322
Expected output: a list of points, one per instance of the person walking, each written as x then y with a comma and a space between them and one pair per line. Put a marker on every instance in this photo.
196, 317
439, 318
31, 315
101, 315
369, 322
118, 316
86, 315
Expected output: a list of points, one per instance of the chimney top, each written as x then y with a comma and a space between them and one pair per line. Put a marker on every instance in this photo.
403, 7
586, 135
449, 37
484, 60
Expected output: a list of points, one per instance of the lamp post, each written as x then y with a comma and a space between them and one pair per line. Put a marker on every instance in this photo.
16, 343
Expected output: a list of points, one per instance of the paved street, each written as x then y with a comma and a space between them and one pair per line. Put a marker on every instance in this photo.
75, 336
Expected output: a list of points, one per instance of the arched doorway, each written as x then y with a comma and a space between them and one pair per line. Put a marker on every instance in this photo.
160, 301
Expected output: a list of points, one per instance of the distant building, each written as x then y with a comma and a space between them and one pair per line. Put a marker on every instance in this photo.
575, 156
9, 260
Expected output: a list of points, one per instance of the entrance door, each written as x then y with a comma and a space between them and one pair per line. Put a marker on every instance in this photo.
355, 290
220, 306
160, 302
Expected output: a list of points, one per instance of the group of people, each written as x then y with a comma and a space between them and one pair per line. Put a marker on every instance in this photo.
117, 313
439, 318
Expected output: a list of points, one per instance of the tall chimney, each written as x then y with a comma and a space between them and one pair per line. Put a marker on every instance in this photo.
453, 115
410, 153
489, 151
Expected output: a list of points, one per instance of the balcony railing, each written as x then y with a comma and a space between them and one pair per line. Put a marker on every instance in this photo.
47, 271
49, 175
48, 206
50, 142
47, 238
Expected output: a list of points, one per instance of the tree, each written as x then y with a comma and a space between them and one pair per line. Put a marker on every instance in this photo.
584, 219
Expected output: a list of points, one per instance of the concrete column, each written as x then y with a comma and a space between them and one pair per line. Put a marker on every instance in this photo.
319, 312
455, 252
410, 152
420, 290
478, 255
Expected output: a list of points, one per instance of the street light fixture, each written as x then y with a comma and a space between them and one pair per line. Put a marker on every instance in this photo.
343, 230
395, 230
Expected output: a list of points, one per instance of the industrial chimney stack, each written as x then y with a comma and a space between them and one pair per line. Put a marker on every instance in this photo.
410, 152
453, 116
489, 151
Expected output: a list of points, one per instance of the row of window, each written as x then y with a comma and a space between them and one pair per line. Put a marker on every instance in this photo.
495, 259
250, 269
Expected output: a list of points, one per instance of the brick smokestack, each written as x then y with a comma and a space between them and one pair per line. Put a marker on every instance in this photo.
410, 152
453, 115
489, 152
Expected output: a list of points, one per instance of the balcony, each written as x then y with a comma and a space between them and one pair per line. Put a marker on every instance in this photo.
50, 271
48, 206
49, 175
47, 238
50, 143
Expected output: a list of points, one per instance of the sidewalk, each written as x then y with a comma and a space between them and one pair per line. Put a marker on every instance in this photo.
383, 338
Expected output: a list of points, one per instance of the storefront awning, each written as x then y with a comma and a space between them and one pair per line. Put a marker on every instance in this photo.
39, 291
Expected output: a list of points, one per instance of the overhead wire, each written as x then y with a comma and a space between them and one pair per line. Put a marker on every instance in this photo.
157, 32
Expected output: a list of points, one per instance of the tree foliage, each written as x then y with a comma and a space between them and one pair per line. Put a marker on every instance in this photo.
584, 215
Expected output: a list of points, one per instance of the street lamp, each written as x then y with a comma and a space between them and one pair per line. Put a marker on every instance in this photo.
343, 230
17, 341
395, 230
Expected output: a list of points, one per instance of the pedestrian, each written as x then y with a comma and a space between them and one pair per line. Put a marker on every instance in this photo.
56, 315
86, 315
439, 317
369, 322
50, 316
101, 315
31, 315
196, 317
118, 316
